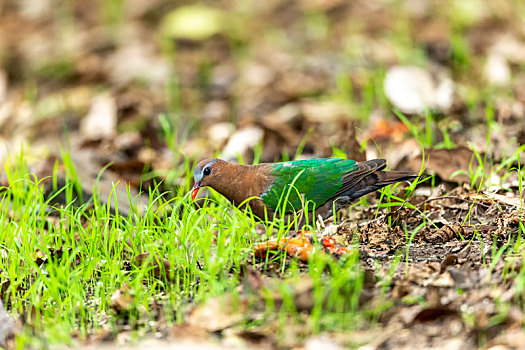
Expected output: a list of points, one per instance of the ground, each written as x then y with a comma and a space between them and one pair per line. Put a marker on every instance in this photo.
105, 107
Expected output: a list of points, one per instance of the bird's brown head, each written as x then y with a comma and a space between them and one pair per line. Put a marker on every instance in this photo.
206, 173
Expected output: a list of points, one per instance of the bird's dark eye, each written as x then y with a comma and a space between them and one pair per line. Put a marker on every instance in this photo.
206, 171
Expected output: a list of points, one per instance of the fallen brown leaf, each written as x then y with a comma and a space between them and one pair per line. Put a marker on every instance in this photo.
122, 299
7, 328
218, 313
446, 162
161, 266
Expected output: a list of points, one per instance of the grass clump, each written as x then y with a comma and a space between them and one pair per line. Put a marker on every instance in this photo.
70, 270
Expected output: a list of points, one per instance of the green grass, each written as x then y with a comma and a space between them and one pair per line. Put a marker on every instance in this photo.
60, 265
64, 263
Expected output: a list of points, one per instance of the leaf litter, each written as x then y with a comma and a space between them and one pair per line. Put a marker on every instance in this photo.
305, 87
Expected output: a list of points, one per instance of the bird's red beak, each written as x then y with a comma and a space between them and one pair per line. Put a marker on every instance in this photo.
195, 190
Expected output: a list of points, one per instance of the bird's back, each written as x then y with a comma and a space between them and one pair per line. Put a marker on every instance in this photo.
318, 179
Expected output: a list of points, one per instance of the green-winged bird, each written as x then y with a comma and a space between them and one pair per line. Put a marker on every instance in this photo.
328, 183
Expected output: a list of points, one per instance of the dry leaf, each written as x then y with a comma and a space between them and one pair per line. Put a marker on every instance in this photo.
122, 299
412, 89
497, 71
240, 142
218, 313
7, 328
161, 266
446, 162
101, 121
510, 201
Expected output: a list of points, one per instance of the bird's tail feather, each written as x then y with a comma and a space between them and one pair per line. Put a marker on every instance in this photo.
389, 177
378, 179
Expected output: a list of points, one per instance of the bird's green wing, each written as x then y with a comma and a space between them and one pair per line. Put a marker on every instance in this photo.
318, 179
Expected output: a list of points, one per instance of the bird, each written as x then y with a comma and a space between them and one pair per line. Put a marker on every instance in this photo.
270, 189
